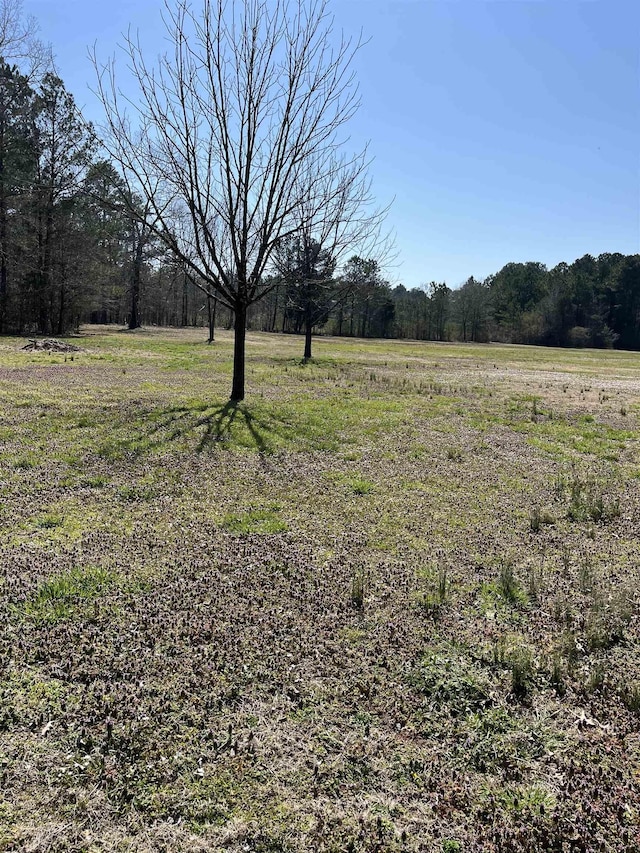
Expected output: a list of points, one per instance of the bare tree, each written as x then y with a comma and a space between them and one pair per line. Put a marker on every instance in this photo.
232, 136
19, 42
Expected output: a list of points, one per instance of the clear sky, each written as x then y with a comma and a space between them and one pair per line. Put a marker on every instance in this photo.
506, 130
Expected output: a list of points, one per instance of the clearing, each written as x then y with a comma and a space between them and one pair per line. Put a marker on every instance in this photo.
388, 603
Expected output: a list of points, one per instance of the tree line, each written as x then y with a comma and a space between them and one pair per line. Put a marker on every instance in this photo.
72, 251
222, 195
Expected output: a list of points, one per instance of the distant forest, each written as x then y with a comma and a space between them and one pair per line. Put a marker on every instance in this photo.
592, 302
71, 252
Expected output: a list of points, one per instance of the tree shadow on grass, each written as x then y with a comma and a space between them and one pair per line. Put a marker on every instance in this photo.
219, 427
227, 425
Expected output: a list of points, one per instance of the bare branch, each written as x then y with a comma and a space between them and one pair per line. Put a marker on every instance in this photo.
19, 42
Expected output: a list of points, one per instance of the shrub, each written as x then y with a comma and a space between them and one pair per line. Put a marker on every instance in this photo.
579, 336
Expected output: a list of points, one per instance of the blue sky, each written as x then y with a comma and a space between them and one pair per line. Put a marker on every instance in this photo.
506, 130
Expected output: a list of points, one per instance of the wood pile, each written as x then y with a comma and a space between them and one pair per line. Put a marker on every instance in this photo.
49, 345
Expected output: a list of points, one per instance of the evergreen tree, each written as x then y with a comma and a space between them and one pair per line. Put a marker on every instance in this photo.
18, 165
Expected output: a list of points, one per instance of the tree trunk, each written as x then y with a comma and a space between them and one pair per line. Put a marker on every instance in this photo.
184, 321
240, 333
365, 321
307, 337
62, 306
45, 273
274, 316
211, 309
134, 318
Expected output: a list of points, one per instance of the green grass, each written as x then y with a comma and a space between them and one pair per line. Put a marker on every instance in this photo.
67, 596
450, 681
50, 521
390, 592
261, 520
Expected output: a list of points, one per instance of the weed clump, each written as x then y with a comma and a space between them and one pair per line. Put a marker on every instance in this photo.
630, 695
540, 516
50, 521
607, 621
587, 500
557, 674
435, 595
535, 583
508, 585
358, 588
596, 679
522, 670
452, 683
361, 486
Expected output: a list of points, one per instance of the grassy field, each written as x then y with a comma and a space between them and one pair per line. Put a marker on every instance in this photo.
389, 603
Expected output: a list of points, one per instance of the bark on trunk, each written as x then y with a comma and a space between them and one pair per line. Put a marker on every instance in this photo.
185, 303
134, 318
62, 308
240, 332
307, 338
212, 304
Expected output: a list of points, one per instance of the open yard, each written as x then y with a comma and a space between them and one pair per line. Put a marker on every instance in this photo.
389, 603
